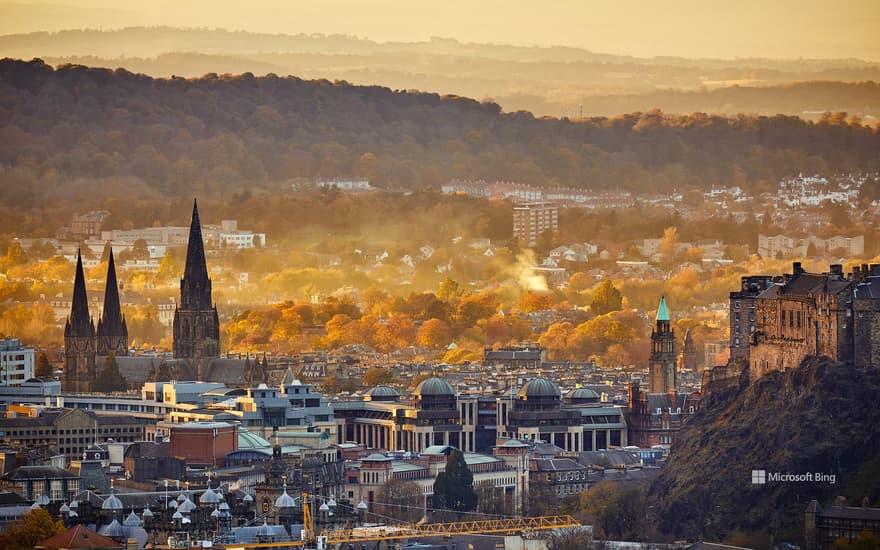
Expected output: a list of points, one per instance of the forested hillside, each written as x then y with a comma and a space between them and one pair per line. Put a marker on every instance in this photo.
86, 132
820, 418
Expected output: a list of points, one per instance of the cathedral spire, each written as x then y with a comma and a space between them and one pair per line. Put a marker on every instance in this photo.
112, 331
196, 324
79, 323
195, 287
196, 267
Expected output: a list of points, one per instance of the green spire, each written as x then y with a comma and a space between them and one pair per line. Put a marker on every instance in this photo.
662, 312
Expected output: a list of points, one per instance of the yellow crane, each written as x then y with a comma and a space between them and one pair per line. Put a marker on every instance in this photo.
408, 531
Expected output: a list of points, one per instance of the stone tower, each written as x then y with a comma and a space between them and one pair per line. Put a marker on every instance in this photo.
661, 369
689, 352
196, 325
112, 331
79, 338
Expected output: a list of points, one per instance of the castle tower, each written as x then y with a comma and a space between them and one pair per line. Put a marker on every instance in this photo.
661, 369
112, 330
79, 338
196, 325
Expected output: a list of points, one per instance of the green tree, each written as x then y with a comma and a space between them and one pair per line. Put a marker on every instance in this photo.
606, 299
43, 368
30, 529
401, 500
110, 379
454, 487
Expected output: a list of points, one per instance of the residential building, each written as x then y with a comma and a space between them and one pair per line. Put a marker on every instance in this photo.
533, 219
16, 362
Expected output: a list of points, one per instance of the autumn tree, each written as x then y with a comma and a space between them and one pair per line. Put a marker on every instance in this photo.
377, 376
400, 500
28, 530
43, 368
606, 298
448, 290
434, 334
668, 247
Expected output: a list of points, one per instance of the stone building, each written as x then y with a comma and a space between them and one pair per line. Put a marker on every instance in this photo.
79, 338
866, 316
662, 364
824, 526
688, 358
804, 314
655, 415
742, 314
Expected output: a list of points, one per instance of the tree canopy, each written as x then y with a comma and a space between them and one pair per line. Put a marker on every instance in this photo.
454, 487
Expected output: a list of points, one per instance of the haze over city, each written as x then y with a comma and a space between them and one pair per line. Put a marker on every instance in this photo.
346, 274
685, 28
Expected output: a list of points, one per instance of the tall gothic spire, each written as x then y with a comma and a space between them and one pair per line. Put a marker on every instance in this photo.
112, 330
112, 314
79, 323
196, 324
195, 287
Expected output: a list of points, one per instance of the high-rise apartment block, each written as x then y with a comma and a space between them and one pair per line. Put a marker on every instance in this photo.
532, 219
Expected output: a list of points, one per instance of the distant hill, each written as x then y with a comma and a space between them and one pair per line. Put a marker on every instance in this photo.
63, 132
819, 418
557, 81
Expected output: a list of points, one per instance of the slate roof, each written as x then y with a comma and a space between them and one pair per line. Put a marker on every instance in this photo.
557, 465
869, 290
37, 472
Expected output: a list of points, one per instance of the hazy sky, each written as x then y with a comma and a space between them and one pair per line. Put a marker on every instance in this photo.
689, 28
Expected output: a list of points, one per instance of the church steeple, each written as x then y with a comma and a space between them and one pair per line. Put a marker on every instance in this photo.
195, 287
80, 322
112, 330
79, 338
196, 324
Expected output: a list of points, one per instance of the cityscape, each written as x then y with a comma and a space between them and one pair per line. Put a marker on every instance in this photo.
390, 299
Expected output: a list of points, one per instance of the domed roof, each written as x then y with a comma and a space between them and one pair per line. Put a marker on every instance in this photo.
209, 497
434, 386
285, 501
187, 506
584, 394
112, 503
114, 530
383, 393
539, 387
132, 520
250, 440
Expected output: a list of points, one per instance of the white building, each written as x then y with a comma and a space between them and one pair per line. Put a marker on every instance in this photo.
16, 362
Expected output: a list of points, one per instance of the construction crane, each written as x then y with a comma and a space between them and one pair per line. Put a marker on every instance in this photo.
336, 537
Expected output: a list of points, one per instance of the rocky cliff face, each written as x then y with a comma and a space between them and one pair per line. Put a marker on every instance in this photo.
821, 419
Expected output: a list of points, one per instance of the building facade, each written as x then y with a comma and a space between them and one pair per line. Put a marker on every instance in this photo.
16, 362
742, 314
80, 343
662, 373
804, 314
533, 219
